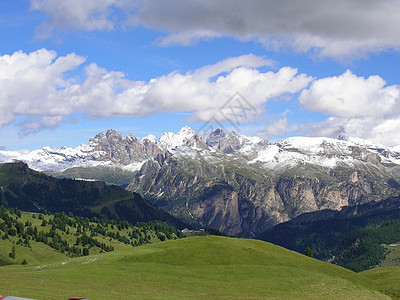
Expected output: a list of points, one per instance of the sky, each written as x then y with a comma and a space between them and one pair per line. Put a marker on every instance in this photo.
71, 69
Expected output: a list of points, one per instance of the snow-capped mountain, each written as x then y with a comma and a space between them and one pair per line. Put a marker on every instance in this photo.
235, 183
186, 137
111, 149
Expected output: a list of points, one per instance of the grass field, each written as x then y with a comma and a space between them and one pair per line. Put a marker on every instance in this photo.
387, 278
207, 267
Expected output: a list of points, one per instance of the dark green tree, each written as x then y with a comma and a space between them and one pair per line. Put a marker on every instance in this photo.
308, 252
85, 252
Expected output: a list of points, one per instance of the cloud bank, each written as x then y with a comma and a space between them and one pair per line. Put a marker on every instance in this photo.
331, 28
37, 85
359, 107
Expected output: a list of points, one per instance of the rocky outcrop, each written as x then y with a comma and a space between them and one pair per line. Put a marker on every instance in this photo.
113, 147
243, 200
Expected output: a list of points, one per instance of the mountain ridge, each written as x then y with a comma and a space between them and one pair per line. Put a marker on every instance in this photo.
237, 184
130, 152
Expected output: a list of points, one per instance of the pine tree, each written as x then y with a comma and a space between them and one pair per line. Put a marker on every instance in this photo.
308, 252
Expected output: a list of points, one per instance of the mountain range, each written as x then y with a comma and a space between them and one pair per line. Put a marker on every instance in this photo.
237, 184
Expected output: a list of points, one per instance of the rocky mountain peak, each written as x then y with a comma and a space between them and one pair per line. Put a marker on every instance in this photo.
186, 137
229, 143
186, 131
214, 138
112, 146
111, 133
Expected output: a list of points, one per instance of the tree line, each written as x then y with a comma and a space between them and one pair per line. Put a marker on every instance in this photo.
56, 230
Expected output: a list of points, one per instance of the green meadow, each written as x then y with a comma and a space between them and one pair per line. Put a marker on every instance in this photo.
206, 267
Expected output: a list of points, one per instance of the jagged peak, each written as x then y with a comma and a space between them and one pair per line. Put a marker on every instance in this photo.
113, 133
186, 130
233, 133
219, 132
214, 138
185, 137
151, 138
131, 136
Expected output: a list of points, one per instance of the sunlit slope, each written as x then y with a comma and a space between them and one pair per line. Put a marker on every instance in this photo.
387, 278
192, 268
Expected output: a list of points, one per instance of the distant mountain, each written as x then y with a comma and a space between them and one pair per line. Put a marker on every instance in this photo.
351, 237
33, 191
237, 184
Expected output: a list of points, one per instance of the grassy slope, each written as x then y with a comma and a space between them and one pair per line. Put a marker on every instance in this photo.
387, 278
41, 253
197, 267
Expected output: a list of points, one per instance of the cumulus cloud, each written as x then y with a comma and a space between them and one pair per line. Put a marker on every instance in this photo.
276, 128
33, 84
334, 28
360, 107
384, 131
36, 85
350, 96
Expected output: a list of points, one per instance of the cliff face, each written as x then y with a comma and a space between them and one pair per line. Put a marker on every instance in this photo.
244, 200
119, 150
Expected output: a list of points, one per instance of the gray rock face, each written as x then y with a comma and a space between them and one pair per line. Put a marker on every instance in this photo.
113, 147
213, 140
229, 143
244, 200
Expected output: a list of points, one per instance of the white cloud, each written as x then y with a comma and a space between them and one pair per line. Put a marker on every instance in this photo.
36, 86
359, 107
384, 131
34, 124
33, 84
276, 128
348, 95
334, 28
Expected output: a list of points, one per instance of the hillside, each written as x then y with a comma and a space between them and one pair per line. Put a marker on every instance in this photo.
34, 191
352, 237
387, 279
32, 238
198, 267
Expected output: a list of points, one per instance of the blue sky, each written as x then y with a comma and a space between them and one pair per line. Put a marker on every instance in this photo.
72, 69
